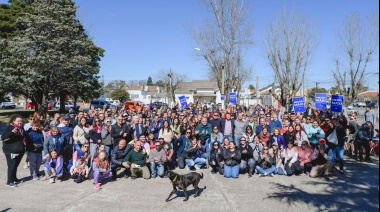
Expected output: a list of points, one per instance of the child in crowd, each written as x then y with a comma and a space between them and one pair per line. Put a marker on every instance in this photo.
35, 150
53, 166
101, 169
80, 171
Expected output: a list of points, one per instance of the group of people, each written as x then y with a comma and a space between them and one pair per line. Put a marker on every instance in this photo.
97, 143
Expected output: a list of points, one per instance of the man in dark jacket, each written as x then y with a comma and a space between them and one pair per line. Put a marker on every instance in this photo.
119, 153
216, 121
120, 131
180, 146
247, 161
363, 138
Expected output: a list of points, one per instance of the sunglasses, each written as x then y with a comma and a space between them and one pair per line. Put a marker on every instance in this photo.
303, 144
308, 119
265, 149
243, 140
188, 132
85, 146
215, 144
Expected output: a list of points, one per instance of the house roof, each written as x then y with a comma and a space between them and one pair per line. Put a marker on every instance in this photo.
368, 94
186, 87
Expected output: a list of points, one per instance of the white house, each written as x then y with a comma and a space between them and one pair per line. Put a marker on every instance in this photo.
144, 93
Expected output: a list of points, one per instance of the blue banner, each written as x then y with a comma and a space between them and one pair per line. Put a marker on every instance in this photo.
233, 98
182, 100
337, 102
299, 105
320, 100
221, 96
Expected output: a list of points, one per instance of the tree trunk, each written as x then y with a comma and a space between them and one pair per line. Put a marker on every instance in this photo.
75, 102
62, 102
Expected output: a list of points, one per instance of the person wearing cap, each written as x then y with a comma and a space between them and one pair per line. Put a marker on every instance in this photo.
278, 155
320, 161
291, 158
231, 158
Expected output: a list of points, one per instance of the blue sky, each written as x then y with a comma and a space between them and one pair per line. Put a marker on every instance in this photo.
142, 37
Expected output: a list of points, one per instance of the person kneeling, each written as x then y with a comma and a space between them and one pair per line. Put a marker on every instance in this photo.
53, 166
266, 164
101, 169
80, 171
232, 158
157, 157
321, 164
136, 160
193, 158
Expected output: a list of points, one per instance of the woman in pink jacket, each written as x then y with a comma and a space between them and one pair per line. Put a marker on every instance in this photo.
305, 157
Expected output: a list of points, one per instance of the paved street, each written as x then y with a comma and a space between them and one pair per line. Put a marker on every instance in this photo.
357, 190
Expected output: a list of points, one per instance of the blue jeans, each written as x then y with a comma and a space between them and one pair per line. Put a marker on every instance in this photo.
157, 168
230, 138
205, 155
340, 151
268, 171
280, 171
77, 146
237, 141
197, 162
231, 171
107, 149
35, 160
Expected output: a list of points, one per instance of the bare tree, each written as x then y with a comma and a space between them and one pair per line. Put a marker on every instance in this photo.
358, 43
288, 45
225, 36
171, 81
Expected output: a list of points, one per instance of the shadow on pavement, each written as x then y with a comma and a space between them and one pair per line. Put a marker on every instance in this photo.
356, 190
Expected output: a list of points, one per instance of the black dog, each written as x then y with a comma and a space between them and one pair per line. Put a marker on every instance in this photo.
183, 181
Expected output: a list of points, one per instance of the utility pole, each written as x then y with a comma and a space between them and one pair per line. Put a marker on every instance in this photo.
170, 86
103, 87
257, 90
222, 92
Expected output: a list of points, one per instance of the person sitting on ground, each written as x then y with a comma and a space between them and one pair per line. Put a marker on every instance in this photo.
79, 171
180, 146
215, 158
118, 154
321, 162
56, 140
247, 163
53, 166
101, 169
207, 149
35, 150
136, 160
279, 155
231, 158
291, 159
266, 164
157, 158
83, 152
304, 157
223, 149
193, 153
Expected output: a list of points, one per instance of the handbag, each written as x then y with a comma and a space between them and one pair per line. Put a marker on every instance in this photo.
86, 135
38, 146
332, 138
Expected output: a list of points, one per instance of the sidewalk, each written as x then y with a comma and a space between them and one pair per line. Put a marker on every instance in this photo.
356, 190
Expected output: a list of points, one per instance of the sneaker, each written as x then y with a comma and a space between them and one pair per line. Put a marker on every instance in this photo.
133, 177
35, 178
327, 178
97, 186
125, 176
153, 177
341, 171
51, 180
197, 168
249, 175
260, 175
12, 185
18, 181
265, 174
271, 175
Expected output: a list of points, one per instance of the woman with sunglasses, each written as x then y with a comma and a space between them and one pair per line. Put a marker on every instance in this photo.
95, 131
266, 164
216, 135
278, 155
106, 136
289, 135
231, 158
216, 158
308, 124
305, 154
248, 134
83, 152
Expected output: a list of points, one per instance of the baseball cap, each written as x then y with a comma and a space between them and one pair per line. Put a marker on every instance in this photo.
275, 144
322, 141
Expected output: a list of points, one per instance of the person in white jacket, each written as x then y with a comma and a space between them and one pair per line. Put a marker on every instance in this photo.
300, 135
291, 158
81, 131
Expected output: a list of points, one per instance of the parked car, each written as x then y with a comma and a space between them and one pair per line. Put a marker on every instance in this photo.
32, 106
98, 103
112, 102
8, 104
158, 104
68, 105
362, 104
350, 107
373, 104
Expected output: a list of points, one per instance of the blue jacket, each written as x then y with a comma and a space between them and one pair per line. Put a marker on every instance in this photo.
280, 139
56, 163
181, 142
66, 131
274, 124
59, 142
155, 128
259, 128
37, 138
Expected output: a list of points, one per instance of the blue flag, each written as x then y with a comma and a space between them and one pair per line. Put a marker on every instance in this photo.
320, 100
337, 102
298, 104
233, 98
182, 100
